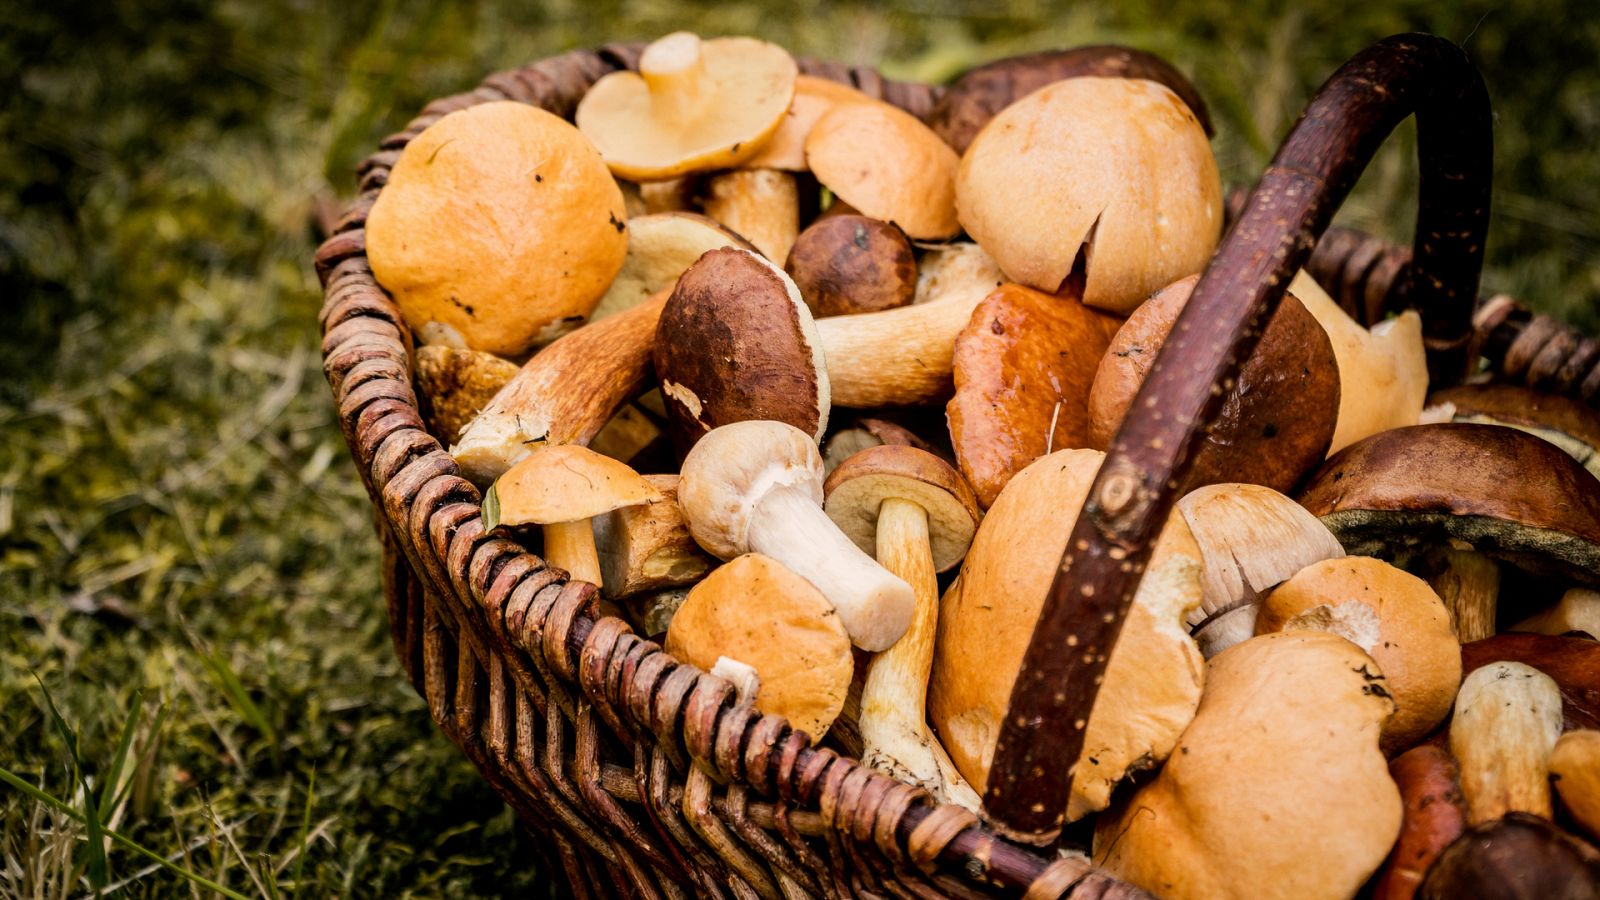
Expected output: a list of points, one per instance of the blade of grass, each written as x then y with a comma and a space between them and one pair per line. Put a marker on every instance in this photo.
99, 868
305, 830
110, 790
233, 689
146, 755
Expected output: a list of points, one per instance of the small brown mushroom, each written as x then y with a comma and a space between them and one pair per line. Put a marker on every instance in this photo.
648, 549
1435, 815
1575, 770
1570, 425
853, 264
813, 97
1520, 857
763, 205
888, 165
1276, 421
1023, 368
735, 342
1507, 721
454, 384
1577, 611
660, 248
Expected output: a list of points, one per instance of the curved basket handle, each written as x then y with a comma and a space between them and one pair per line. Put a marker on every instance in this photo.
1042, 733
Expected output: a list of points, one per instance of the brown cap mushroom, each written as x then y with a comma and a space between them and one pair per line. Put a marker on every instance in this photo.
1276, 421
499, 229
1507, 721
1251, 539
1116, 169
660, 247
1570, 425
648, 548
561, 487
693, 105
1577, 611
1023, 368
1435, 815
1575, 769
813, 97
852, 264
755, 611
736, 342
453, 384
756, 485
916, 514
1391, 614
761, 204
1153, 678
1519, 857
1277, 788
873, 432
888, 165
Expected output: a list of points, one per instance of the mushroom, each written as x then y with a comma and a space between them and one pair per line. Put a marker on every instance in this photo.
651, 614
852, 264
1519, 857
1461, 488
564, 395
693, 106
736, 342
1152, 680
1117, 170
648, 549
888, 165
916, 514
1383, 372
1251, 538
1570, 425
1573, 663
1577, 611
761, 204
873, 432
480, 206
660, 248
1507, 720
756, 486
453, 384
626, 435
561, 487
1277, 789
1435, 815
672, 195
813, 97
757, 612
1276, 420
1575, 770
960, 269
1023, 367
1391, 614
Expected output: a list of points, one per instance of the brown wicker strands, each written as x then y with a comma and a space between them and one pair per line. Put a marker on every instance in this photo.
586, 729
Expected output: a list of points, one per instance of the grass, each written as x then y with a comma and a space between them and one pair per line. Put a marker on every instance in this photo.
187, 571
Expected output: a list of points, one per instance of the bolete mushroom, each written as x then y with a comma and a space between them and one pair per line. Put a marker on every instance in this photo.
1507, 721
1570, 425
1023, 367
1519, 857
453, 384
888, 165
736, 342
560, 487
1575, 770
1251, 539
813, 97
660, 248
870, 431
1277, 419
916, 514
1391, 614
1152, 680
852, 264
1577, 611
756, 486
1116, 169
1572, 662
498, 230
693, 106
761, 204
647, 548
1435, 815
1277, 788
755, 611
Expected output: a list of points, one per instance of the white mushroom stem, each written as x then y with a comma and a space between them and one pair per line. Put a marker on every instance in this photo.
673, 68
1469, 585
570, 546
762, 205
1507, 722
897, 357
1579, 610
874, 606
894, 724
743, 676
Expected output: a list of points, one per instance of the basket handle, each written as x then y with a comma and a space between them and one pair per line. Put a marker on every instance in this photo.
1148, 462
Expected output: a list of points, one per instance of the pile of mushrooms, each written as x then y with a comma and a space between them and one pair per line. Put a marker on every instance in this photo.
813, 391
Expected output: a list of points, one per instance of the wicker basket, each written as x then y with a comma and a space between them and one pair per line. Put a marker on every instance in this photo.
640, 775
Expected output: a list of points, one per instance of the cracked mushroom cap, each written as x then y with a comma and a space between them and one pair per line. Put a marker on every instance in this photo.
1119, 169
754, 611
1391, 614
736, 342
499, 229
660, 248
693, 105
886, 164
732, 468
1497, 490
1277, 788
856, 490
568, 483
813, 97
1152, 680
1277, 421
1570, 425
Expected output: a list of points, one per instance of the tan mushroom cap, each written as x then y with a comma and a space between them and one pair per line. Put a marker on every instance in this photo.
856, 490
1567, 423
813, 97
755, 611
499, 228
1391, 614
730, 469
1152, 680
1119, 168
1575, 767
888, 165
660, 247
1277, 788
693, 106
568, 483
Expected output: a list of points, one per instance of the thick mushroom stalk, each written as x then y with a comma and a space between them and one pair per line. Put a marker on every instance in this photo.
1507, 722
904, 501
1469, 584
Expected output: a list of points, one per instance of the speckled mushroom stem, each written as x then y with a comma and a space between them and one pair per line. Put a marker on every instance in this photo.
1148, 461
